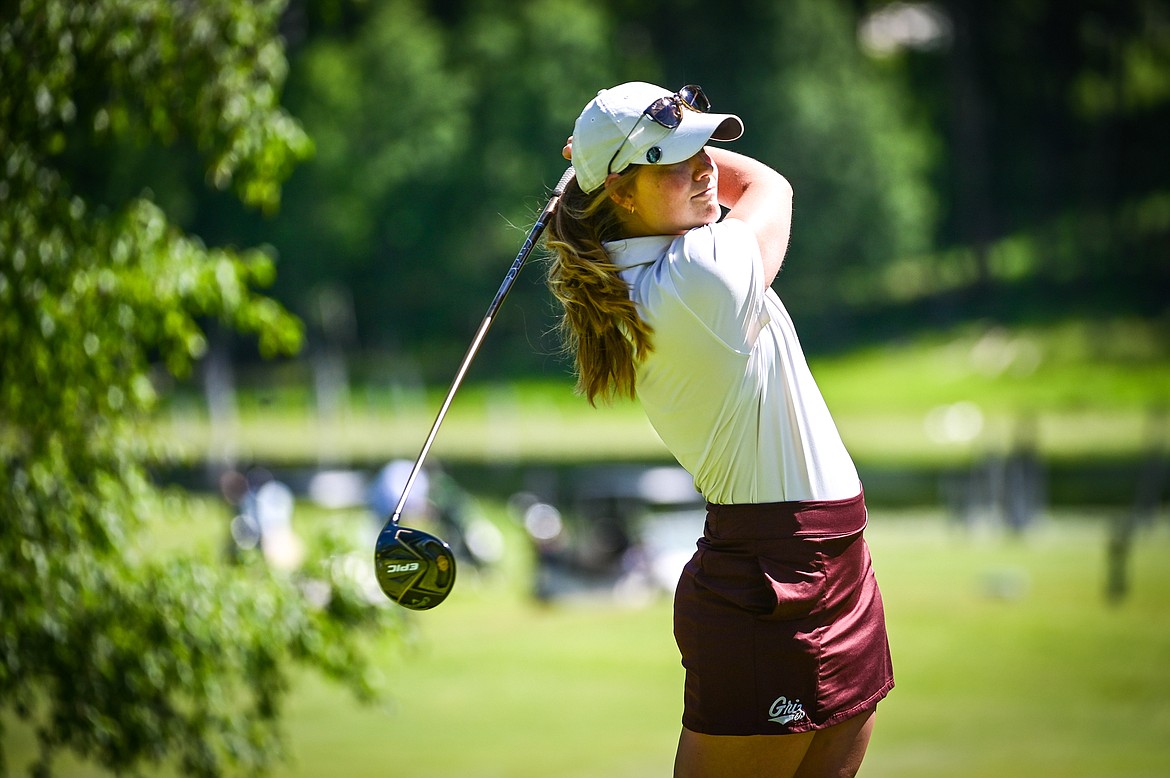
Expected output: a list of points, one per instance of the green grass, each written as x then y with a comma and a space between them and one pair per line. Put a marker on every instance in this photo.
1048, 681
1051, 682
1008, 659
1077, 390
1009, 663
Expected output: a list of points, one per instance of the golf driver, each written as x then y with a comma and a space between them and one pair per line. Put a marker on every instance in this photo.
414, 568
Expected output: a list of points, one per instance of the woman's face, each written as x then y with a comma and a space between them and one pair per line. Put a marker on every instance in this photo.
670, 199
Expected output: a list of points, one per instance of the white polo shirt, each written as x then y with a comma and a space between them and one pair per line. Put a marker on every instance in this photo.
727, 386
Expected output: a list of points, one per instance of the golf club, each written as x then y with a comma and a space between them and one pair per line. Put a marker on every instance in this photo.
414, 568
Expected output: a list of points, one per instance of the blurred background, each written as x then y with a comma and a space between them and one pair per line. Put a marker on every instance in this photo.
979, 272
953, 164
978, 262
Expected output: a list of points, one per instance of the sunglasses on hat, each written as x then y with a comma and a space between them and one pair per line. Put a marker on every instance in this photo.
667, 112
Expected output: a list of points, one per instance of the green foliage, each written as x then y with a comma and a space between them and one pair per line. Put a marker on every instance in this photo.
124, 660
841, 130
179, 661
387, 113
434, 136
433, 147
436, 125
209, 72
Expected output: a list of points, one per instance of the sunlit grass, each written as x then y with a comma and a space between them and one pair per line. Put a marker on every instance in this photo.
1072, 391
1009, 660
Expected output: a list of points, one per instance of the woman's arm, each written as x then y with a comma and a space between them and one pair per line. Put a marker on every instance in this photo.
760, 197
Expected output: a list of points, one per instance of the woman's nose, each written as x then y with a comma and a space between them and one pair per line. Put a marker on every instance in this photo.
702, 163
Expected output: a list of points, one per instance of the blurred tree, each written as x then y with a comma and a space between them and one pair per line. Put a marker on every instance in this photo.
843, 129
1052, 181
436, 126
531, 67
389, 117
124, 657
387, 114
436, 123
1019, 141
844, 132
1078, 139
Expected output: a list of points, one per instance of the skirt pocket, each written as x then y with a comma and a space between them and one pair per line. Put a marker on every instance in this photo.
779, 586
798, 588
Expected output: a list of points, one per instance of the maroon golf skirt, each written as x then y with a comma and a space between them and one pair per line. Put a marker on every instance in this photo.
779, 620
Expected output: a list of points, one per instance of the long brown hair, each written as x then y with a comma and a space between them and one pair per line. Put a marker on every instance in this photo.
599, 325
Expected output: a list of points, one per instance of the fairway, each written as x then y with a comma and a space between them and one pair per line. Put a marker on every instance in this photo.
1074, 404
1009, 663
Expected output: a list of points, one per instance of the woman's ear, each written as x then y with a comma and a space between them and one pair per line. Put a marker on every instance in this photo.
615, 187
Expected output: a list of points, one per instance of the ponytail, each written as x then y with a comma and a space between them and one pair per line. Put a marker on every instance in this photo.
600, 325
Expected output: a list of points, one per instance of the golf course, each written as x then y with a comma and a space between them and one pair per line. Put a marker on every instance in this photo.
276, 502
1010, 658
1010, 662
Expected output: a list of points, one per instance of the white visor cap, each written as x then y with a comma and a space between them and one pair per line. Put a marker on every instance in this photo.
613, 123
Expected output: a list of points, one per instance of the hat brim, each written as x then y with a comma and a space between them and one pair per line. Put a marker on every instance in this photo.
681, 143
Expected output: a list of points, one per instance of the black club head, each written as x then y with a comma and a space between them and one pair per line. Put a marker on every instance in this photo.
414, 568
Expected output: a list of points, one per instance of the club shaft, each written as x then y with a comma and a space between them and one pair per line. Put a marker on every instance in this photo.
485, 325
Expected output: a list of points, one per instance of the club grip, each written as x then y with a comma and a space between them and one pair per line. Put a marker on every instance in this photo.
559, 189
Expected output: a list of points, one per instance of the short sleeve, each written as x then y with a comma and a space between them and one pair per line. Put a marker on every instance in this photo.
717, 273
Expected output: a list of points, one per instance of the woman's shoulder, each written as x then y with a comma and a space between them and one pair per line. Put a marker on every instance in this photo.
714, 266
725, 241
713, 274
727, 247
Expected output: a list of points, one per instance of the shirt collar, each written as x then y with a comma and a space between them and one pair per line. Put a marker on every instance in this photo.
632, 252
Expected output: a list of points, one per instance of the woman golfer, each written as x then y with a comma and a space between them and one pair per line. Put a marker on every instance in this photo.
777, 615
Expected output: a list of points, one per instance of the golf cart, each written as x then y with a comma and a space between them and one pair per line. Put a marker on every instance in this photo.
620, 532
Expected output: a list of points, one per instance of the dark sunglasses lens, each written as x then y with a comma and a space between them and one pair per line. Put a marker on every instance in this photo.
666, 112
694, 98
